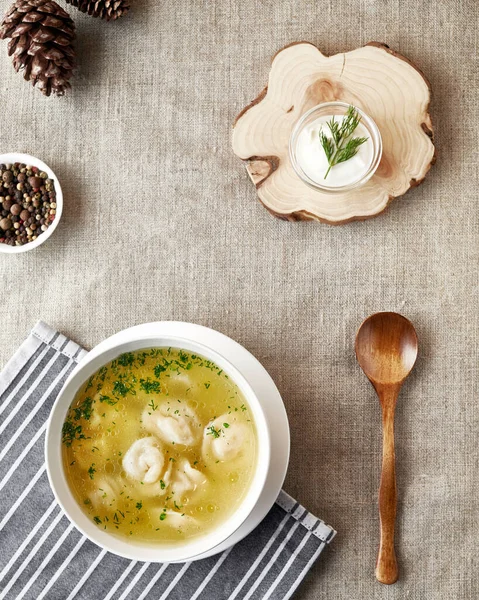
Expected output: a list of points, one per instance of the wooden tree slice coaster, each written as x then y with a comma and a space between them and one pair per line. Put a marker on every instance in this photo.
387, 86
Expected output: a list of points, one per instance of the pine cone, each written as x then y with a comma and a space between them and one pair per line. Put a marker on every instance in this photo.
110, 10
42, 35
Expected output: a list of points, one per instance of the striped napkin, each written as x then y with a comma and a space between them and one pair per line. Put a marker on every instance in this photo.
42, 555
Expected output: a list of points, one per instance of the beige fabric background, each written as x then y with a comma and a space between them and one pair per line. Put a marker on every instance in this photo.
161, 222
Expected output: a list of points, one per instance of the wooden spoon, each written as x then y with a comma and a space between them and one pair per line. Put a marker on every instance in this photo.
386, 349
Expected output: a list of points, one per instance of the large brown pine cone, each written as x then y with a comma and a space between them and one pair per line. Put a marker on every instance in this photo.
42, 35
105, 9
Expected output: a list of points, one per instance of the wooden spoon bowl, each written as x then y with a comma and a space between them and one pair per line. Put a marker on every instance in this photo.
386, 350
386, 347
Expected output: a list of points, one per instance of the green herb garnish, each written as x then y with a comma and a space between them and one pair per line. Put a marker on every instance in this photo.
122, 389
71, 432
139, 505
126, 360
97, 520
150, 386
162, 516
162, 484
226, 425
214, 432
158, 370
84, 410
92, 470
340, 147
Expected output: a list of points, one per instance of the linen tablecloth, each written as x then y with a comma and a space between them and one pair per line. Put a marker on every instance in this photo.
162, 222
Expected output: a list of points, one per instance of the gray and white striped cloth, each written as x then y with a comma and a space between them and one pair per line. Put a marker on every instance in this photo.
42, 555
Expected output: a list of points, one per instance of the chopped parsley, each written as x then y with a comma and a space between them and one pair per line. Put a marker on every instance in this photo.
97, 520
139, 505
207, 385
158, 370
150, 386
226, 425
162, 484
152, 404
162, 516
71, 432
214, 432
84, 410
102, 373
107, 400
120, 388
92, 470
126, 359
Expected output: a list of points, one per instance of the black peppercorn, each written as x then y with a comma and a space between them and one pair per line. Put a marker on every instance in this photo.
27, 199
7, 176
5, 224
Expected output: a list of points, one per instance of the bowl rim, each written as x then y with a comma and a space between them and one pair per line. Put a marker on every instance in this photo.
18, 157
151, 552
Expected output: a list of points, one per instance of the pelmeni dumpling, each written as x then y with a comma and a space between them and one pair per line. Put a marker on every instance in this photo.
105, 408
106, 493
91, 450
180, 385
224, 438
144, 460
174, 423
157, 489
185, 479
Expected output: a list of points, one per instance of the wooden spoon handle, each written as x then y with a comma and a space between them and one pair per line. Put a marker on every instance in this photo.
386, 566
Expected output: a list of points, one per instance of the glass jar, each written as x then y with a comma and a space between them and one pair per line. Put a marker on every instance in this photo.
369, 129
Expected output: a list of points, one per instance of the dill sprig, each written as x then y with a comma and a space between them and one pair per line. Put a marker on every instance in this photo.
340, 147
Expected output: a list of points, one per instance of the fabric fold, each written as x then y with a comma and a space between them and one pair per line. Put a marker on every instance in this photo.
42, 555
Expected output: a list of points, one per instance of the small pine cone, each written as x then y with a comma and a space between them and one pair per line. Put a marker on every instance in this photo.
41, 41
110, 10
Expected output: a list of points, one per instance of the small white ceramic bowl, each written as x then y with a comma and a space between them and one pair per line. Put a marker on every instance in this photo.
147, 551
15, 157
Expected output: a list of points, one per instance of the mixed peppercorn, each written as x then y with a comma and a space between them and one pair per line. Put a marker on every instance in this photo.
27, 203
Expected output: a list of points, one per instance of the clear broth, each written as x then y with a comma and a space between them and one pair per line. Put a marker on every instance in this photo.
123, 403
